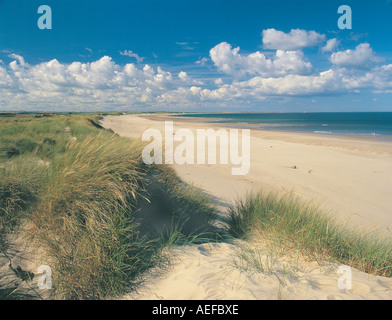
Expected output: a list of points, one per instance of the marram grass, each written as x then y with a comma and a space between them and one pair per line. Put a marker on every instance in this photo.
91, 202
20, 184
85, 218
94, 215
304, 227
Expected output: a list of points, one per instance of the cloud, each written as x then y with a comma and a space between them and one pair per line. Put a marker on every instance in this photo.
131, 54
78, 86
202, 61
330, 46
18, 58
329, 82
187, 45
183, 76
231, 62
362, 57
248, 78
187, 79
294, 85
218, 81
296, 39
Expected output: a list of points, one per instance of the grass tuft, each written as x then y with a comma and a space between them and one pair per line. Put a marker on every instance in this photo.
20, 184
304, 227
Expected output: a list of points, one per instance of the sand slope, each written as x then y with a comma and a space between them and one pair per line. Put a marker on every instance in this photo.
23, 254
207, 272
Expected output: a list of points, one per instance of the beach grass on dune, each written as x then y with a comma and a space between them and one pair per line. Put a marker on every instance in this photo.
27, 144
85, 217
302, 226
20, 184
100, 214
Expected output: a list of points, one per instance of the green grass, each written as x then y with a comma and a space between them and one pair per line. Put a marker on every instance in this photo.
101, 215
301, 226
27, 145
20, 184
85, 217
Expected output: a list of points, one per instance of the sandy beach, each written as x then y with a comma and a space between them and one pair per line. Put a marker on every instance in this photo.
351, 178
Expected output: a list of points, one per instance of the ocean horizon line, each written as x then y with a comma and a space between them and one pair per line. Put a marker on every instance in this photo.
377, 125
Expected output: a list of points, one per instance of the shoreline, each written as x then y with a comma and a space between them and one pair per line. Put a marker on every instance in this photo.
347, 142
263, 127
349, 177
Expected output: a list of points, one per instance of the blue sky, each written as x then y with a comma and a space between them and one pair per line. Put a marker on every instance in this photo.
282, 55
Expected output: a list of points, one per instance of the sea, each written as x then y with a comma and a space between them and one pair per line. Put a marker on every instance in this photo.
375, 125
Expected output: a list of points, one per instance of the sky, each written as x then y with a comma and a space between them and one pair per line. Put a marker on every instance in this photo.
205, 56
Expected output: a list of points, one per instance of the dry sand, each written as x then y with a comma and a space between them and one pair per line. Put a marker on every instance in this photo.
24, 254
349, 177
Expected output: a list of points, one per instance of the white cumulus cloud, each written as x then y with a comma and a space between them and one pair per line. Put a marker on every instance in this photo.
228, 60
77, 85
294, 40
248, 77
361, 57
330, 46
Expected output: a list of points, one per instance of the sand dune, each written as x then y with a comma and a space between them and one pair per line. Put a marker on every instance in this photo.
349, 177
207, 272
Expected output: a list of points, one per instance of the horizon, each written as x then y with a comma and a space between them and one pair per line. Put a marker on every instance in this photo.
182, 112
245, 57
